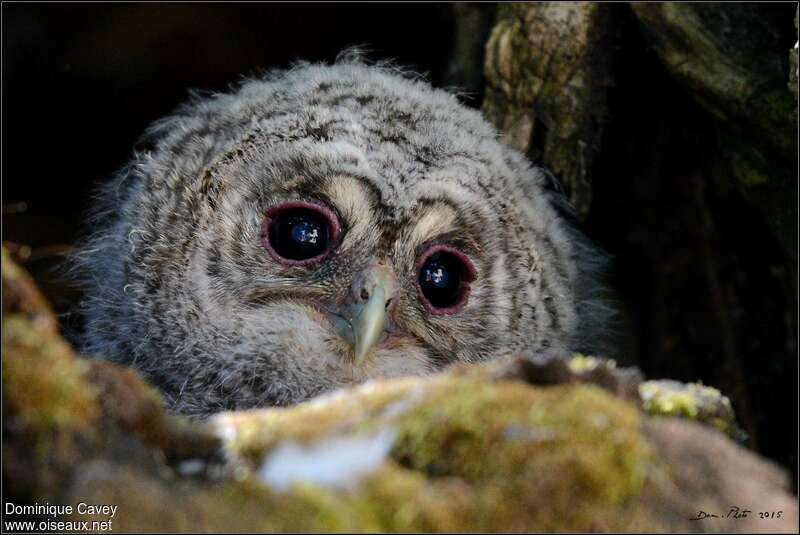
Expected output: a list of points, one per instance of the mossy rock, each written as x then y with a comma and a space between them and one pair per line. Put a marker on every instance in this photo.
463, 451
478, 439
473, 449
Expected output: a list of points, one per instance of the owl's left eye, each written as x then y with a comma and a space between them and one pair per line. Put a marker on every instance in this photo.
299, 233
444, 277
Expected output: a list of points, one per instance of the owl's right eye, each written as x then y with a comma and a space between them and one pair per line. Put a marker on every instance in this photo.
299, 233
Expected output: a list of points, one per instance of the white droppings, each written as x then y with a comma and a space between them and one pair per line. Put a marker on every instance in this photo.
223, 428
599, 420
520, 433
338, 462
401, 406
191, 467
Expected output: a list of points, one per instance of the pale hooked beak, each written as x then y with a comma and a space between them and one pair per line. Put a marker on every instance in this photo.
368, 327
365, 315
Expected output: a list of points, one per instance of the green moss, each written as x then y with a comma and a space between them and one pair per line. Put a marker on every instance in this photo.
43, 383
524, 429
511, 447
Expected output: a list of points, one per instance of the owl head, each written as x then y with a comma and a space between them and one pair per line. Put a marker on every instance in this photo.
325, 225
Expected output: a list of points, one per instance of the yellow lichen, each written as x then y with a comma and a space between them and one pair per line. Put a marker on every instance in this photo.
692, 401
581, 363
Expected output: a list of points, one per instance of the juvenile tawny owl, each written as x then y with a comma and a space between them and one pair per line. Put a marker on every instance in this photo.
325, 225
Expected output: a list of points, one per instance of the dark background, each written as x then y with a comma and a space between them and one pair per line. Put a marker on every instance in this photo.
705, 292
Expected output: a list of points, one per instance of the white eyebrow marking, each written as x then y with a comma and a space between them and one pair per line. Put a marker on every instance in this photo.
350, 196
436, 220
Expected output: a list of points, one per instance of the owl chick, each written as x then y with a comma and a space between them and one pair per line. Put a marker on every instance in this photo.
324, 225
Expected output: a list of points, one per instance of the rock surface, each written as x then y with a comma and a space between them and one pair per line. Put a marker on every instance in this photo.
475, 448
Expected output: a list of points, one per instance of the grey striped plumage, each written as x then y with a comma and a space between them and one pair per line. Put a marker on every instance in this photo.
180, 285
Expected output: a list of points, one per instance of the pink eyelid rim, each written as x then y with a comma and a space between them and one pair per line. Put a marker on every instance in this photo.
471, 273
273, 212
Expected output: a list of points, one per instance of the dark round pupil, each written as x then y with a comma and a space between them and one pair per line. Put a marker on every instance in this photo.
441, 280
299, 234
